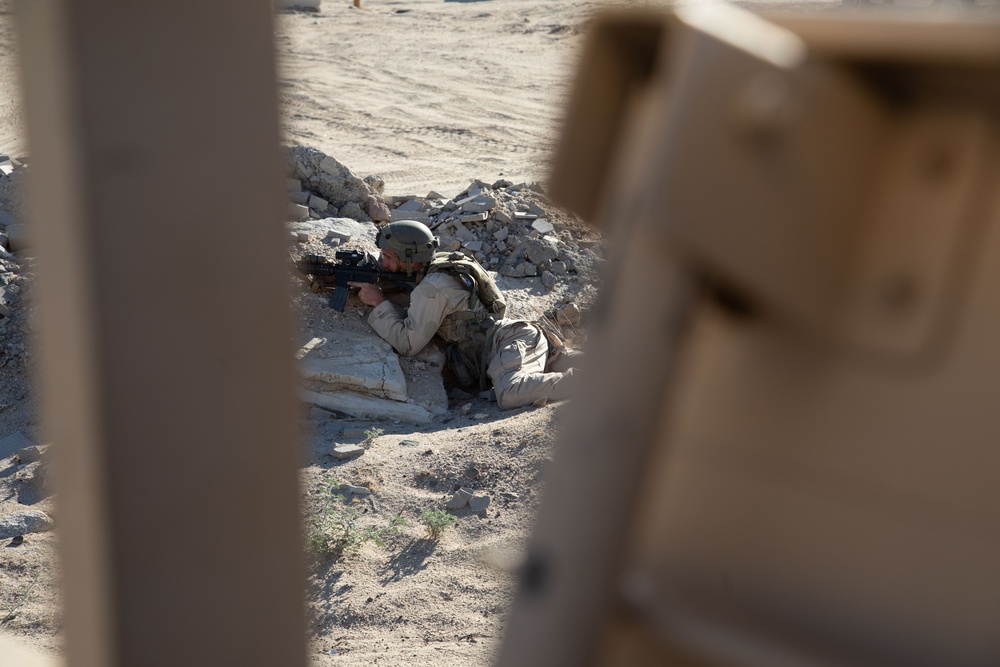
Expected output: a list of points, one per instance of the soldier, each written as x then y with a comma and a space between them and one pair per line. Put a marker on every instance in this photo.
456, 299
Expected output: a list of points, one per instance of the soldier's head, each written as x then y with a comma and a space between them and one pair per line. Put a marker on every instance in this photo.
406, 245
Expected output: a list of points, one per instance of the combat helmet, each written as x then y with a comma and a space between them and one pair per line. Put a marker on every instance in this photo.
413, 241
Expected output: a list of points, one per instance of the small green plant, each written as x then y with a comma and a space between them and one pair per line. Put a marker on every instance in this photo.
335, 531
26, 597
436, 521
372, 433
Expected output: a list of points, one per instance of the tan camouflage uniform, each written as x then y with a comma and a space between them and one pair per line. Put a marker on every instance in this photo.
517, 354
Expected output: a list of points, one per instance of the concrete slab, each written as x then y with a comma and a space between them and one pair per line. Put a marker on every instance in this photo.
14, 443
356, 361
366, 405
343, 229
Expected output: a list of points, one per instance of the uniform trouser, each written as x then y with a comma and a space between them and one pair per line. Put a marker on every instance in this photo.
517, 368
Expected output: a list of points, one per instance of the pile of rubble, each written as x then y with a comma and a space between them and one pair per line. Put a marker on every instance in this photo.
509, 228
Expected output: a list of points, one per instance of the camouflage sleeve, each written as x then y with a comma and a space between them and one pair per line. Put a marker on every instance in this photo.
408, 335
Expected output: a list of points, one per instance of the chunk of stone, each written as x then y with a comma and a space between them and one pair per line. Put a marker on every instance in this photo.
358, 361
293, 184
361, 405
501, 215
463, 232
351, 490
558, 268
472, 217
521, 215
474, 246
501, 234
535, 209
480, 415
568, 315
353, 210
318, 203
299, 197
409, 443
29, 455
542, 226
419, 216
480, 205
297, 211
412, 205
14, 443
377, 210
346, 451
479, 502
459, 500
539, 251
548, 279
23, 523
449, 243
342, 229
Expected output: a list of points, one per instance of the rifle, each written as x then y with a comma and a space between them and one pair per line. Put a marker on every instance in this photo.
352, 266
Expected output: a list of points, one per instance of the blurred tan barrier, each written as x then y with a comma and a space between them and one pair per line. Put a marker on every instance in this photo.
788, 455
168, 386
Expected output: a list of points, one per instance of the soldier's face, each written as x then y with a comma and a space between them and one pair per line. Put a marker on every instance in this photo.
390, 261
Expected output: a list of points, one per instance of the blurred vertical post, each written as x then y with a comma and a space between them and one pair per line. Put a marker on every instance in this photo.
165, 330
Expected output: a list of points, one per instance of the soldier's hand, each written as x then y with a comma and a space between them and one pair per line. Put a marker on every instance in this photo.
369, 293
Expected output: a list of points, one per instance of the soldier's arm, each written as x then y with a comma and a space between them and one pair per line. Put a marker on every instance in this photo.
408, 335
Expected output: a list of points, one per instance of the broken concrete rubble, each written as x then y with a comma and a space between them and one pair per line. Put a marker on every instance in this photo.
23, 523
357, 361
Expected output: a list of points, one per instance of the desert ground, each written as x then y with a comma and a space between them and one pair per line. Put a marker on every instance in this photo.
428, 95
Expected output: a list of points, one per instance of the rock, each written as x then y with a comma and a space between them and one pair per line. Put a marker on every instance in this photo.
479, 503
297, 211
353, 210
472, 472
409, 443
318, 203
474, 246
29, 455
558, 268
536, 210
351, 490
366, 406
480, 205
467, 408
377, 210
376, 183
331, 180
342, 229
521, 215
480, 415
472, 217
29, 521
420, 216
542, 226
300, 197
459, 500
449, 243
503, 217
539, 251
357, 361
501, 234
14, 443
463, 232
548, 279
412, 205
459, 394
346, 451
568, 315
